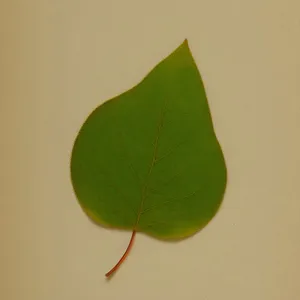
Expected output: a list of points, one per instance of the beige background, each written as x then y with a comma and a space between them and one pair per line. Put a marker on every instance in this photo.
60, 59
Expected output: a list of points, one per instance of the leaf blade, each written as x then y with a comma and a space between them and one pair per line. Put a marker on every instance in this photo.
167, 107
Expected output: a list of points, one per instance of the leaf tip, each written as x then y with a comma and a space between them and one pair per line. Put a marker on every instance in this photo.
185, 45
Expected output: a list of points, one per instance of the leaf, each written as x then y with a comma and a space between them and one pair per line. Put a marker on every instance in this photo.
148, 160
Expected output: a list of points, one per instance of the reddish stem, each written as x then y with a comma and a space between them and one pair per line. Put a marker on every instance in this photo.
116, 267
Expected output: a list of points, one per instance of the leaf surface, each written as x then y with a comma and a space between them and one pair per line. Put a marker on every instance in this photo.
149, 160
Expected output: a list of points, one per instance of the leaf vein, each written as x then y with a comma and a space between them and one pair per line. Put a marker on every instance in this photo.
170, 200
145, 188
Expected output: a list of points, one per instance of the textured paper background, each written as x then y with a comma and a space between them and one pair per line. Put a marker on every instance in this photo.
60, 59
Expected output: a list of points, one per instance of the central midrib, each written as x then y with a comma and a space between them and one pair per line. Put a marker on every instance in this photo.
154, 159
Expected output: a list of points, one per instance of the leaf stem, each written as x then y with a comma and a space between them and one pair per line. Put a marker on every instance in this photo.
119, 263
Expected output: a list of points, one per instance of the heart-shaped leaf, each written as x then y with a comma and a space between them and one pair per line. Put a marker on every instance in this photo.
148, 160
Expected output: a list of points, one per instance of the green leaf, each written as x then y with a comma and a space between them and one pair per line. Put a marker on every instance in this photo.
148, 160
